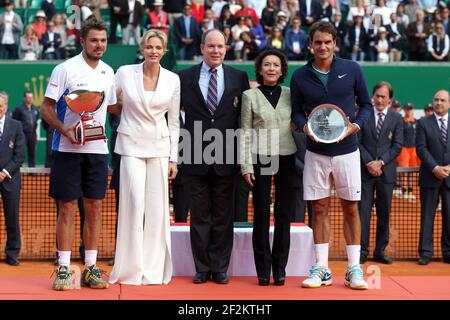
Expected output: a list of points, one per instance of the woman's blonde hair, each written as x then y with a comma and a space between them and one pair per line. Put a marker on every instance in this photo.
151, 34
29, 27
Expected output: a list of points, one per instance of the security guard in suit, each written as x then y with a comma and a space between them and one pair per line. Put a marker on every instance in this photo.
12, 143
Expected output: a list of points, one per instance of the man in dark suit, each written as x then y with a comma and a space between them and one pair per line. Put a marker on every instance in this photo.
180, 186
310, 11
131, 22
186, 31
118, 14
51, 41
433, 149
11, 158
211, 97
417, 33
397, 38
357, 38
27, 114
380, 142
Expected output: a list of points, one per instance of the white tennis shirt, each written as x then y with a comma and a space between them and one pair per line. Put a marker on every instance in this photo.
76, 74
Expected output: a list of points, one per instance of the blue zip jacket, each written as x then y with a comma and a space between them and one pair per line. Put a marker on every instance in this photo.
346, 88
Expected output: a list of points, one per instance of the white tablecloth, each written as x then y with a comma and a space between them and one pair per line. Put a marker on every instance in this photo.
301, 253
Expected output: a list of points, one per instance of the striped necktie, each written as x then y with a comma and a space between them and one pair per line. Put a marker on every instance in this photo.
443, 130
211, 98
380, 123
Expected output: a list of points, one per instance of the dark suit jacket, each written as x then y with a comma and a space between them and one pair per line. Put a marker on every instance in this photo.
401, 43
28, 118
138, 14
49, 9
180, 29
226, 116
417, 44
316, 10
386, 148
123, 14
46, 43
431, 151
12, 152
363, 39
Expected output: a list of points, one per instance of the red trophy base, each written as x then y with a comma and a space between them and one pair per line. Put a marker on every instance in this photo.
87, 129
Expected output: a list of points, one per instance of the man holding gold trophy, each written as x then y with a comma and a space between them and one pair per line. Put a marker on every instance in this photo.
81, 88
324, 94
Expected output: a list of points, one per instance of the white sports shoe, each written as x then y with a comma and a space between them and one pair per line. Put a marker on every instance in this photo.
318, 276
354, 278
397, 193
409, 196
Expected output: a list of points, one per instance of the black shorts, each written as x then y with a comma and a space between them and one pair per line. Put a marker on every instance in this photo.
75, 175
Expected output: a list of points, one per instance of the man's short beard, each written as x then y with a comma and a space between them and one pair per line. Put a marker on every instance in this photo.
91, 57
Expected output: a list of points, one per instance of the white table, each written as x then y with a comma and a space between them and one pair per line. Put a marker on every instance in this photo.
301, 253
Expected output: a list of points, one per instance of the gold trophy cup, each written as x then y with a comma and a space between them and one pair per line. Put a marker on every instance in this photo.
86, 103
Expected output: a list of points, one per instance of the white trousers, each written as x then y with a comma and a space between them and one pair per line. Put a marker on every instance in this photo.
143, 252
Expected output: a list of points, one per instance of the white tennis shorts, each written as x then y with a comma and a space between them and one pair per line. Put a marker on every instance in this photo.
321, 172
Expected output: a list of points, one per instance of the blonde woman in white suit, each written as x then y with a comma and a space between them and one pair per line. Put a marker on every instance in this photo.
148, 145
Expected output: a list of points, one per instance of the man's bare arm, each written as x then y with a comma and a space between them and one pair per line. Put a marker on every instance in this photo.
49, 115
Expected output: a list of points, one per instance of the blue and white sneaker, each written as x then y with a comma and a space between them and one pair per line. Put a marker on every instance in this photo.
354, 278
318, 276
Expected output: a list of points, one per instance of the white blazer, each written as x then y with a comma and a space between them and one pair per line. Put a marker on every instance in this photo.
143, 131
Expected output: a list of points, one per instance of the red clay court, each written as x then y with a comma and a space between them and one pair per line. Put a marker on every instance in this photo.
399, 281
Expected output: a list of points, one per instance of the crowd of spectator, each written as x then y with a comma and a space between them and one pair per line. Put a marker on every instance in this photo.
368, 30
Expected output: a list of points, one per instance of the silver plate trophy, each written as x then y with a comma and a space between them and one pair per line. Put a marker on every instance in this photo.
86, 103
327, 123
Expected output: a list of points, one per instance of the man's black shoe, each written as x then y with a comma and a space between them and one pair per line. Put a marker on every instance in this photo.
279, 281
12, 261
383, 259
446, 259
201, 277
263, 281
424, 261
220, 277
362, 259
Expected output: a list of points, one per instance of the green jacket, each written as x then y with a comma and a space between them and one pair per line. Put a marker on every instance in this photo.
265, 130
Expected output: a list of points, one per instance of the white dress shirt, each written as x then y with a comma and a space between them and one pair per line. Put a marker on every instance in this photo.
385, 111
204, 81
2, 125
131, 8
438, 119
8, 37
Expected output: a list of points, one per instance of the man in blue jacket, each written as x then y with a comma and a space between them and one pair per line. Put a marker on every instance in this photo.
328, 79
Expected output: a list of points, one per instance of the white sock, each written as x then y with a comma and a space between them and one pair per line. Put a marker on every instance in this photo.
90, 257
322, 254
64, 258
353, 254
